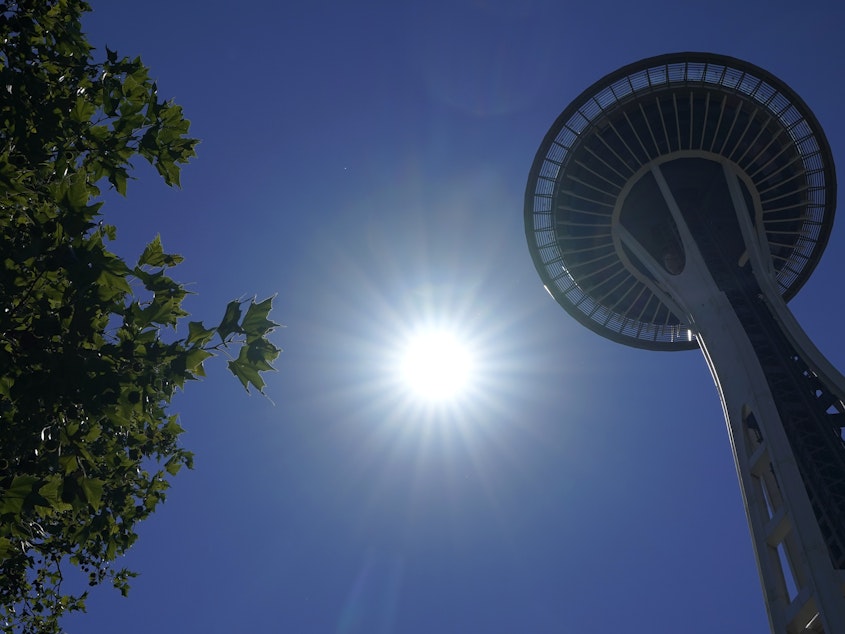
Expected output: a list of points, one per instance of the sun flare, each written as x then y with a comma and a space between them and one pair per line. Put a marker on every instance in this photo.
436, 366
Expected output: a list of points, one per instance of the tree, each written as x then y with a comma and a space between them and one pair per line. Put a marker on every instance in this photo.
89, 352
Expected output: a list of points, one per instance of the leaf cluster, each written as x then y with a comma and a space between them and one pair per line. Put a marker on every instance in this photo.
87, 443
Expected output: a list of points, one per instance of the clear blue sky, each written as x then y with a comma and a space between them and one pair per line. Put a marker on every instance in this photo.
367, 162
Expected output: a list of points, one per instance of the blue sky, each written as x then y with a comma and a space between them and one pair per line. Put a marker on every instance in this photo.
366, 162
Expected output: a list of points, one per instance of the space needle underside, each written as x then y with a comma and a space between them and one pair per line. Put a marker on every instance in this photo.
679, 203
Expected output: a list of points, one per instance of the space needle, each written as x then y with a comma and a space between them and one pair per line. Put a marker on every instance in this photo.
679, 203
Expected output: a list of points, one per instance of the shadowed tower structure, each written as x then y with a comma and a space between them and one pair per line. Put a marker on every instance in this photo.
679, 203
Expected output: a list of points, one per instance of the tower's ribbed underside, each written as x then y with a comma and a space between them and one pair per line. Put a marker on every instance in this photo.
671, 106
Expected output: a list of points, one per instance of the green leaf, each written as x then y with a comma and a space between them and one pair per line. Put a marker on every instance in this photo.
173, 465
261, 353
153, 254
110, 231
93, 489
193, 362
111, 285
82, 110
173, 427
255, 323
169, 171
249, 364
69, 464
6, 383
118, 179
52, 492
230, 320
163, 310
246, 373
15, 496
198, 334
77, 193
6, 548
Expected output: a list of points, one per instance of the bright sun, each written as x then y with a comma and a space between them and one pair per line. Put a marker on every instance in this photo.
436, 365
